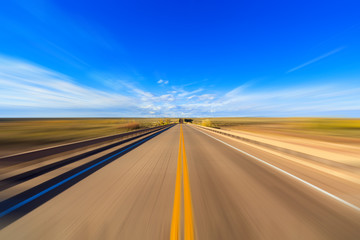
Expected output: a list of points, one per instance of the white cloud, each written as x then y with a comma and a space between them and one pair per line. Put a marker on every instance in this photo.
322, 100
27, 88
25, 85
205, 97
163, 81
316, 59
183, 93
305, 101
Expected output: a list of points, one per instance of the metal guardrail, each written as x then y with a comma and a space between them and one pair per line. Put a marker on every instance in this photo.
45, 152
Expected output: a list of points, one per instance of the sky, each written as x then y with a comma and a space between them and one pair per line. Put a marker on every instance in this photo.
62, 58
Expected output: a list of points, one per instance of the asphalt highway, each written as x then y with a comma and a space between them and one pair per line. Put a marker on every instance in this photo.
181, 183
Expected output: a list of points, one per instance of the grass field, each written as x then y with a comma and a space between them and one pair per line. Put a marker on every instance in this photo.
334, 129
18, 135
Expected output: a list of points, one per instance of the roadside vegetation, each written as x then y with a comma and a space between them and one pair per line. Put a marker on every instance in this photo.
207, 123
19, 135
165, 121
332, 129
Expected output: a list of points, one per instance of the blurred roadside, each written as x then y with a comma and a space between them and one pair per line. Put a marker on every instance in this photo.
330, 144
336, 130
21, 135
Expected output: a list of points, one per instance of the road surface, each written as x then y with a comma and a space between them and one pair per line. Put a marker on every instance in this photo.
183, 183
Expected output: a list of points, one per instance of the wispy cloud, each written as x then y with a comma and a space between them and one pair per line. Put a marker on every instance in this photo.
27, 89
184, 93
163, 81
319, 100
25, 85
316, 59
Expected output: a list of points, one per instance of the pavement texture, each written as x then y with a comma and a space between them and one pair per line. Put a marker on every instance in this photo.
224, 194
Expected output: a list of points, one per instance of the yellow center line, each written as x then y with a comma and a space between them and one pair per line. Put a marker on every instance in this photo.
175, 223
188, 216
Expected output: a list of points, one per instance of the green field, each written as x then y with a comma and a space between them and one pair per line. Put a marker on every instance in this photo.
18, 135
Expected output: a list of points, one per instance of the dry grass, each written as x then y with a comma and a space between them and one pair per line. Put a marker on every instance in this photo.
18, 135
207, 123
332, 129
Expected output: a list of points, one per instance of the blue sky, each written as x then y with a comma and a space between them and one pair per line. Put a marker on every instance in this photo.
179, 58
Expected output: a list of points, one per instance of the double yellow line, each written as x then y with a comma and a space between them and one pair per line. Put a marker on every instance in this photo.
188, 216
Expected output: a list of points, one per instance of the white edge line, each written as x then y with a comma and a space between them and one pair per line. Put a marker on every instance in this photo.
288, 174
